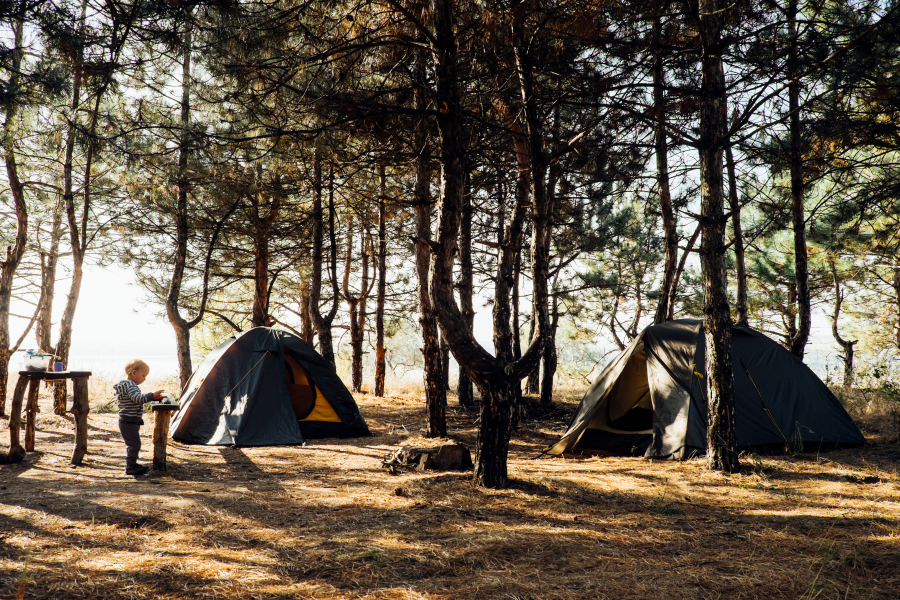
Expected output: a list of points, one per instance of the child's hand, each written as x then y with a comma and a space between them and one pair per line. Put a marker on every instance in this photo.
158, 395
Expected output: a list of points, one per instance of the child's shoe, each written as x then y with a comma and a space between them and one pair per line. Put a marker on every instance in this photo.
137, 470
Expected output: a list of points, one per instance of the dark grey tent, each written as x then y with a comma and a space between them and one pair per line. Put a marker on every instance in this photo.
651, 398
262, 388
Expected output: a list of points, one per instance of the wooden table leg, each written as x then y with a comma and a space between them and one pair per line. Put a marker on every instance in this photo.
16, 451
160, 438
80, 409
31, 413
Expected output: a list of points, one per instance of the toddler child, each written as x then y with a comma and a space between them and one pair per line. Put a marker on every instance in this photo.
131, 409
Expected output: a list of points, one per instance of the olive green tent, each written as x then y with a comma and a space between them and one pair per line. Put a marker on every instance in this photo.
651, 399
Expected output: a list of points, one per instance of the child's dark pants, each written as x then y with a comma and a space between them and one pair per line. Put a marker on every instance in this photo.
131, 433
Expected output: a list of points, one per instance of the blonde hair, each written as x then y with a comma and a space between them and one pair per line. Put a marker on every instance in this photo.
135, 365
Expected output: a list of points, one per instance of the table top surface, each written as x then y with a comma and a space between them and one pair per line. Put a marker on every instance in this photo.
54, 374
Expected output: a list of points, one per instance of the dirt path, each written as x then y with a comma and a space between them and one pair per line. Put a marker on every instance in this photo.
326, 521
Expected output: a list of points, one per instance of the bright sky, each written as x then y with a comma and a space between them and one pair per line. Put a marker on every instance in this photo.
112, 326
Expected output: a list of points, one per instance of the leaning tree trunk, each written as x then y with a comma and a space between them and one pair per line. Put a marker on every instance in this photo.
721, 442
382, 289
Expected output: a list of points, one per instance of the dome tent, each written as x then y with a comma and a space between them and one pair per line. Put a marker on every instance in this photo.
263, 388
652, 398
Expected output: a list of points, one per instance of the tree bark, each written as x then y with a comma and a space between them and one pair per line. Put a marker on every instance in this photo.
721, 441
798, 214
323, 321
740, 263
662, 173
380, 370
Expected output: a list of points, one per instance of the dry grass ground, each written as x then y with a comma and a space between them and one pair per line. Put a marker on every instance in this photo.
326, 521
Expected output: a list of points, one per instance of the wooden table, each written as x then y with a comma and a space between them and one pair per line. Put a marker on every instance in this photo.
80, 408
162, 412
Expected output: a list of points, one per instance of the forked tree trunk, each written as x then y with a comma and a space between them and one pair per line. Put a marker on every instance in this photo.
380, 370
495, 378
673, 296
322, 321
846, 346
721, 442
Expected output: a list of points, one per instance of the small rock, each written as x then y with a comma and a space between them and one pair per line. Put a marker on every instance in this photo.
399, 492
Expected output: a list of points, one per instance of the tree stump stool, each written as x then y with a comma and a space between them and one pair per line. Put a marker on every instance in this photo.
162, 412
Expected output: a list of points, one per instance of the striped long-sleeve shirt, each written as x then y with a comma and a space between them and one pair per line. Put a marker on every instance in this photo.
131, 400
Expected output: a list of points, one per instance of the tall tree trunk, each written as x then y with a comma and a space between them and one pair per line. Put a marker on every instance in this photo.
466, 288
798, 214
321, 321
721, 441
435, 391
380, 370
494, 377
662, 173
358, 333
13, 253
182, 232
740, 263
846, 346
445, 366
